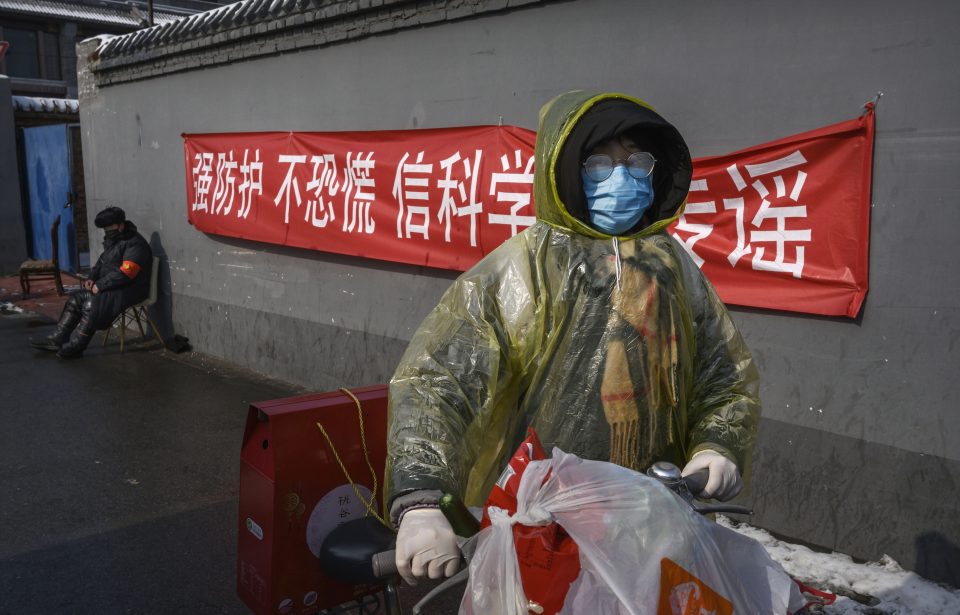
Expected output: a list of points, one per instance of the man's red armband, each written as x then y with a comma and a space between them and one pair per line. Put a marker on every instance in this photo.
130, 269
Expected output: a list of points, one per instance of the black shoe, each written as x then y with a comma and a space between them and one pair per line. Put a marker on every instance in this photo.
47, 343
70, 351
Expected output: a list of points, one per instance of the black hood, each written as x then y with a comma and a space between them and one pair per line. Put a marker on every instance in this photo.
607, 119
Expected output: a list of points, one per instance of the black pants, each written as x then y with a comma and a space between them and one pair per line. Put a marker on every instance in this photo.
76, 321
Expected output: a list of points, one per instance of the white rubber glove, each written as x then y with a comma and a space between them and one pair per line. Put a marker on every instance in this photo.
723, 483
426, 546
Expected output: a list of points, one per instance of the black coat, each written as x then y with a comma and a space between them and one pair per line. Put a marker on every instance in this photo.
122, 275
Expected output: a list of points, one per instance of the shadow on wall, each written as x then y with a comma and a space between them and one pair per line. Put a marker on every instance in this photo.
938, 559
745, 309
163, 308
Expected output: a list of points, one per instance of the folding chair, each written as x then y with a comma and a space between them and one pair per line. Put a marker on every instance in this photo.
138, 313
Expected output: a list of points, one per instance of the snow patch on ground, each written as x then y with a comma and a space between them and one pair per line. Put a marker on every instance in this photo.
7, 307
898, 591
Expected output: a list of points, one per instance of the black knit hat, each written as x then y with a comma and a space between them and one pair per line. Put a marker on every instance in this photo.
110, 216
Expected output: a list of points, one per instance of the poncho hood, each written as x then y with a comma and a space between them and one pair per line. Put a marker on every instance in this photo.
574, 123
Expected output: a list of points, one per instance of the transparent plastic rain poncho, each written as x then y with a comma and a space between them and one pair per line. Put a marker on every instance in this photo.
641, 547
612, 348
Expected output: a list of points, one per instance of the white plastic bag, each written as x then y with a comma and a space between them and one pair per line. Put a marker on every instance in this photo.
631, 531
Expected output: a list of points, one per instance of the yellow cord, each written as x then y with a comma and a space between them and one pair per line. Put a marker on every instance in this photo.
366, 455
363, 436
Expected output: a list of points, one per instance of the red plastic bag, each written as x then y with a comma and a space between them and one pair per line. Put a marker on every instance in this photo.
504, 492
549, 559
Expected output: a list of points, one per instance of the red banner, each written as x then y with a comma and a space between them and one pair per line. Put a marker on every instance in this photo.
785, 225
782, 225
441, 198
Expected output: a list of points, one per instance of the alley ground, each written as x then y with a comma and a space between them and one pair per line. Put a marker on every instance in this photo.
119, 478
118, 473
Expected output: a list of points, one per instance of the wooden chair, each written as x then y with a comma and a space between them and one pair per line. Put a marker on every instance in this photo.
43, 269
138, 313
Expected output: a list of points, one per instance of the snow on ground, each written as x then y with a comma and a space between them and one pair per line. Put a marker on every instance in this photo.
6, 306
898, 591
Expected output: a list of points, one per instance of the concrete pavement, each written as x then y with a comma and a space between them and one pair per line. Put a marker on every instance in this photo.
119, 478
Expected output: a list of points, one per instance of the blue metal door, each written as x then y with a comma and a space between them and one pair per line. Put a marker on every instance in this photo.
49, 184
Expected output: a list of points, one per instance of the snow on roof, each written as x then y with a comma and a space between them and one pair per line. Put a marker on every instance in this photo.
30, 104
224, 18
103, 14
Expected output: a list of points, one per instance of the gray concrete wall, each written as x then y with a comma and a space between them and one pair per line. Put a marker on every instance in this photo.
13, 239
859, 447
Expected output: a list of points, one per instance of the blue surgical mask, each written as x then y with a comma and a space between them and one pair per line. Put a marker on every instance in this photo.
616, 204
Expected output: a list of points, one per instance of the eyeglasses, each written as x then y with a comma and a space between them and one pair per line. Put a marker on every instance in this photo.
600, 166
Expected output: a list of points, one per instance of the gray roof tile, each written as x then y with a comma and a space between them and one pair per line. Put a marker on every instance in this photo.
31, 104
106, 15
198, 25
227, 23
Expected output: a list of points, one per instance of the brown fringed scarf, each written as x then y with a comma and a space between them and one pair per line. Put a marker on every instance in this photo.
640, 373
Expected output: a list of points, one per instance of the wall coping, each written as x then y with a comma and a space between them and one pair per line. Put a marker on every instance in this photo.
254, 28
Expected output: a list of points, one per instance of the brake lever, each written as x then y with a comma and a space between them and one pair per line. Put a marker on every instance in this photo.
468, 547
707, 509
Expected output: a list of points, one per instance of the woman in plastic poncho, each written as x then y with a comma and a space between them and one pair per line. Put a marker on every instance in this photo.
593, 326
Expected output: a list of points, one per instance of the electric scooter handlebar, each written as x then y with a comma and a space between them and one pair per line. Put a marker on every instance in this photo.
696, 482
384, 563
687, 487
359, 551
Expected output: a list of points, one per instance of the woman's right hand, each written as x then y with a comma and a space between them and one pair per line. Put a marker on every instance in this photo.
426, 546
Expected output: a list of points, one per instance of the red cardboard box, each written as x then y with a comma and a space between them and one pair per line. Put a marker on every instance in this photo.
293, 492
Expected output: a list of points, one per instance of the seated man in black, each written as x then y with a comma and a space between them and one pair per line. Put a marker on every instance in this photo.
120, 278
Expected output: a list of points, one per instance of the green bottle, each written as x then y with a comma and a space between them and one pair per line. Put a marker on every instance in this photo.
461, 520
